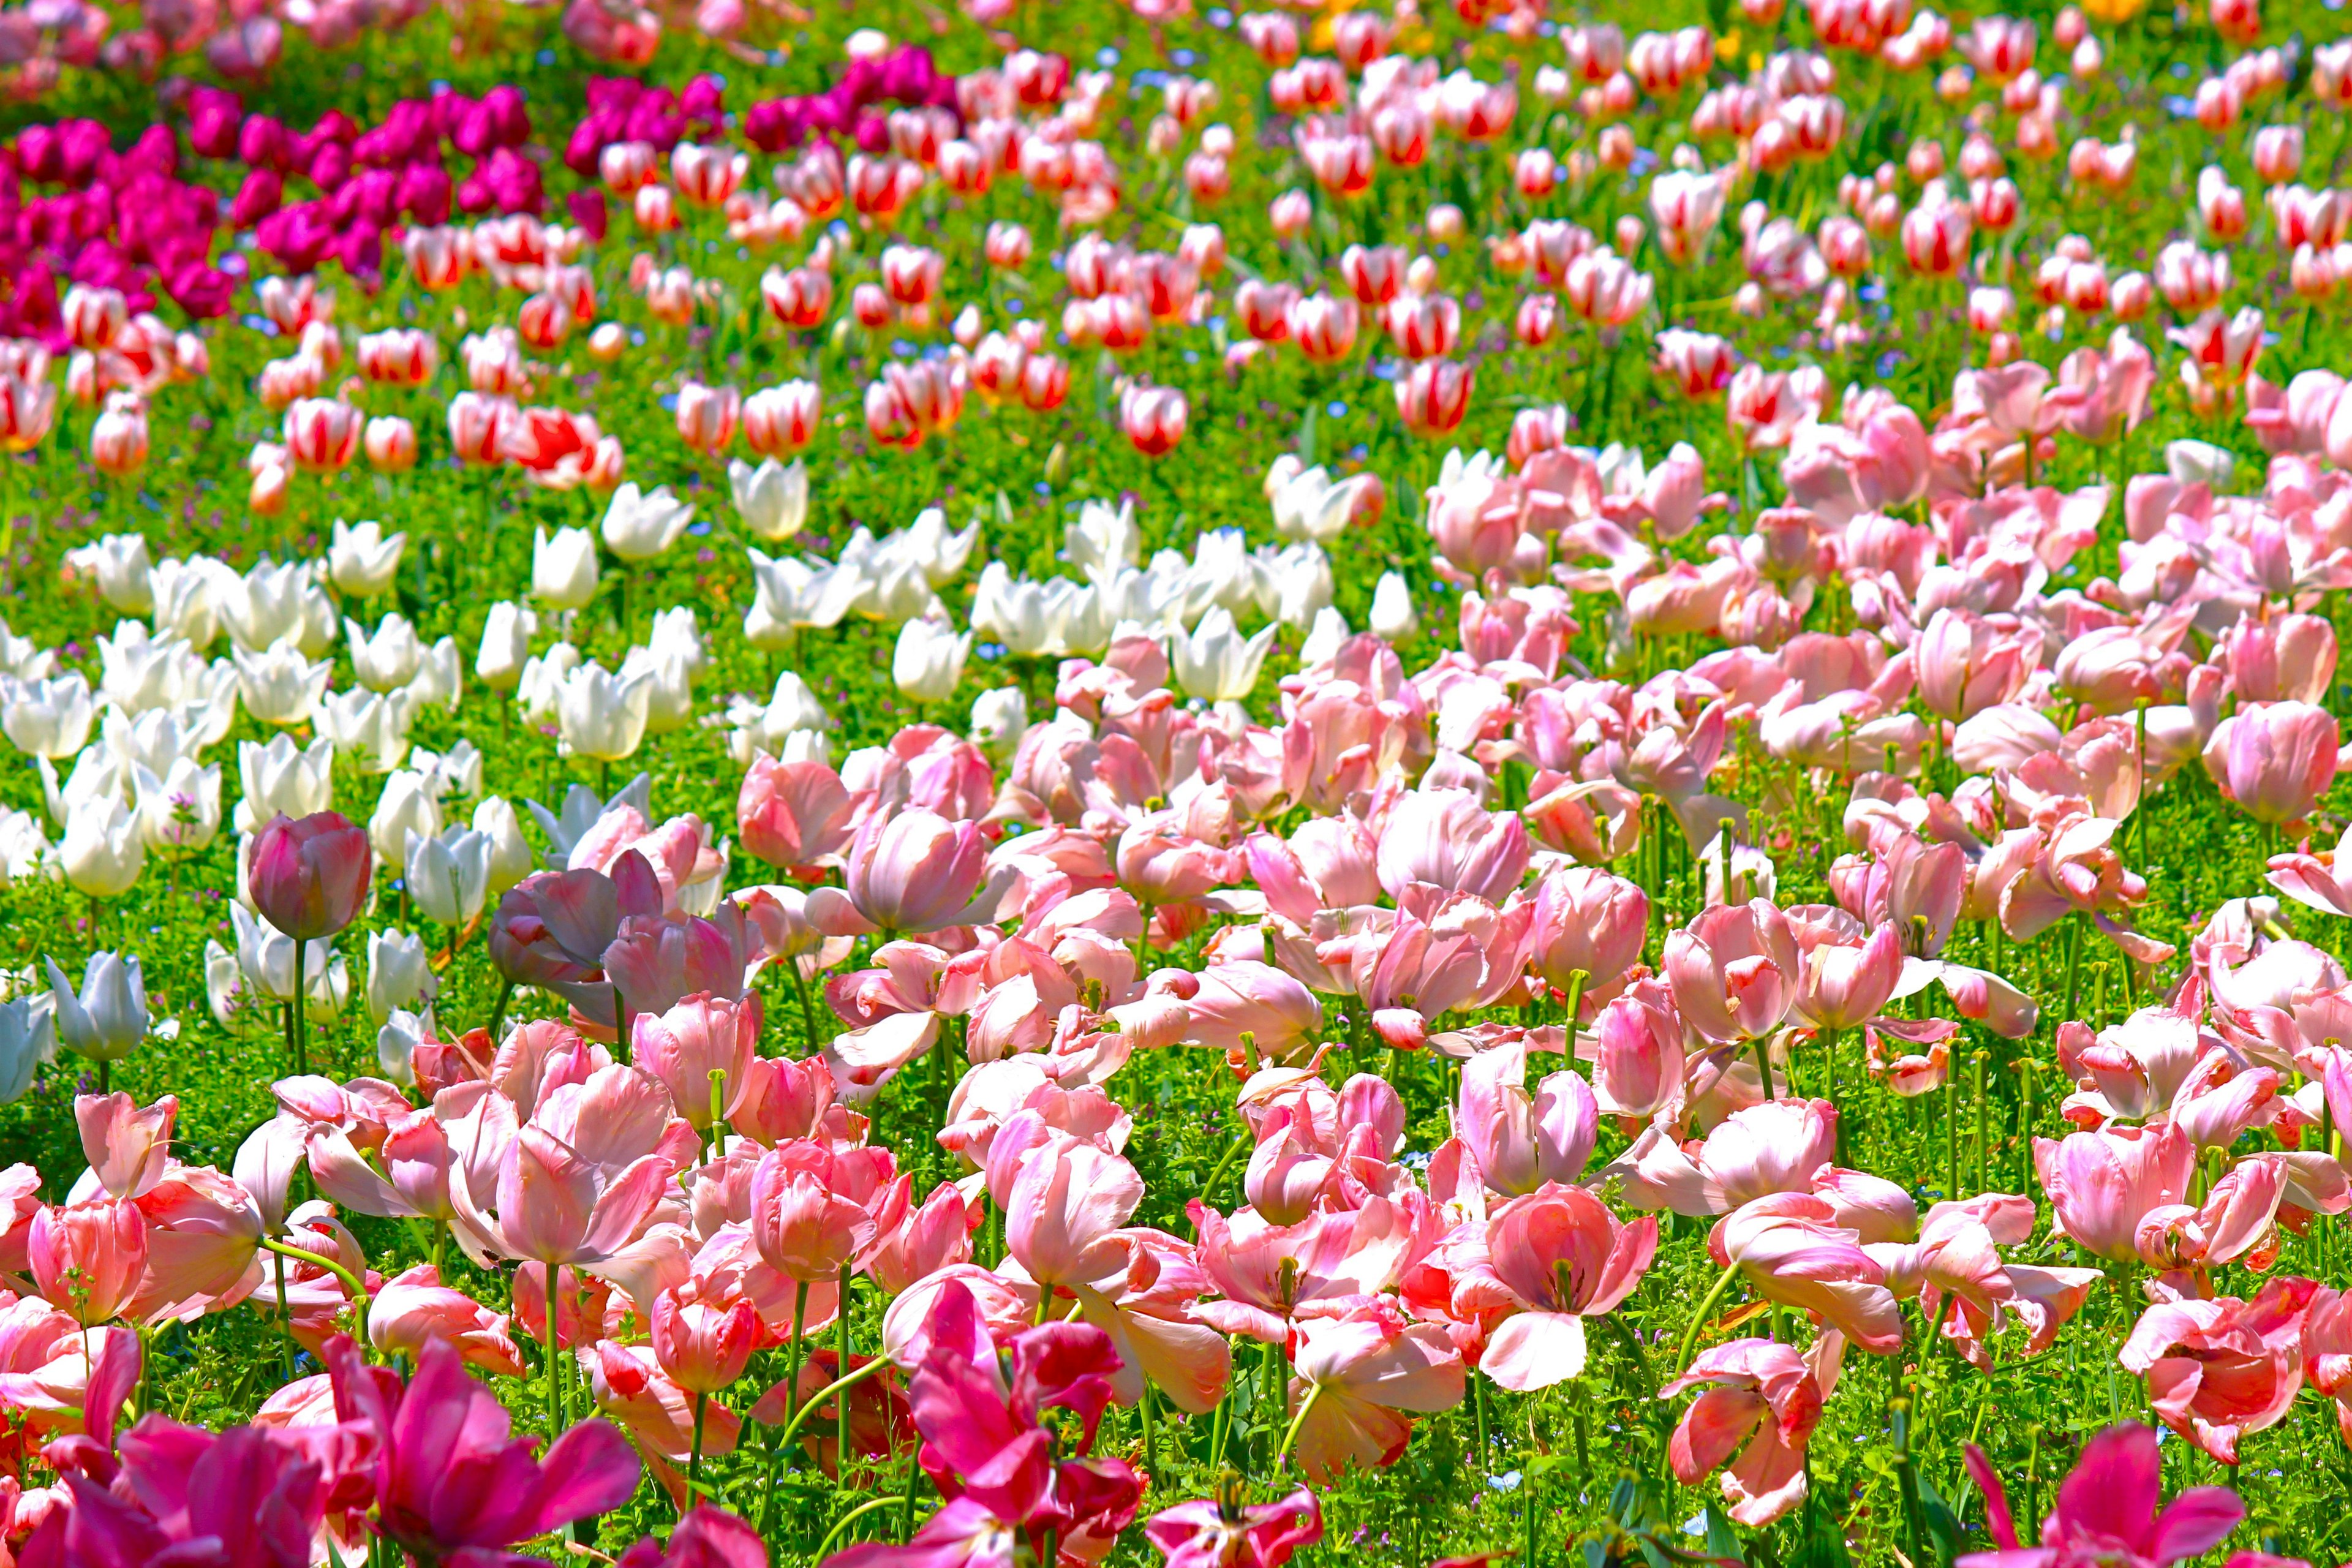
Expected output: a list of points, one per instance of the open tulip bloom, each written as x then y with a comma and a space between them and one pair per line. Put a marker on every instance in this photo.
1441, 783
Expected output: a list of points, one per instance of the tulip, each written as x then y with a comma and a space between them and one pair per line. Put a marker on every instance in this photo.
108, 1016
308, 876
103, 850
1589, 931
602, 715
2274, 759
928, 663
640, 527
279, 685
282, 779
2103, 1185
1735, 970
1521, 1140
1358, 1379
1214, 662
87, 1257
48, 717
1764, 1401
685, 1044
911, 871
2111, 1503
772, 499
448, 876
398, 974
505, 648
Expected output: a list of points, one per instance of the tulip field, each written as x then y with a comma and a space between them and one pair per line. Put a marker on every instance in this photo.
1039, 783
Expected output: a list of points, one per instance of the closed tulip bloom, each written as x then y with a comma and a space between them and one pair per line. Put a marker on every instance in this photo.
928, 663
1638, 1070
449, 875
2274, 759
88, 1258
2103, 1185
1845, 984
103, 850
49, 717
413, 1310
640, 527
505, 647
911, 871
308, 876
772, 499
108, 1016
279, 685
1588, 929
361, 560
803, 1229
390, 442
398, 973
1792, 1249
703, 1346
563, 571
282, 778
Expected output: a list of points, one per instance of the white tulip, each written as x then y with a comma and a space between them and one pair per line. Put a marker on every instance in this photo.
1294, 582
1103, 540
266, 957
272, 604
156, 738
224, 982
124, 573
407, 805
279, 686
669, 690
399, 973
361, 560
792, 710
108, 1016
1216, 663
676, 636
506, 646
102, 852
21, 658
795, 593
368, 727
583, 808
209, 709
396, 1043
639, 527
436, 683
449, 875
1393, 617
282, 778
188, 596
563, 569
99, 774
179, 810
772, 499
1323, 641
999, 720
47, 718
27, 1039
1153, 599
928, 545
602, 715
1223, 572
928, 663
511, 855
1026, 616
1308, 504
2201, 463
542, 678
456, 772
25, 850
137, 670
387, 660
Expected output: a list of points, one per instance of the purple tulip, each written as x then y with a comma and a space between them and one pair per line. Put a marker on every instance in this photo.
424, 194
587, 209
262, 194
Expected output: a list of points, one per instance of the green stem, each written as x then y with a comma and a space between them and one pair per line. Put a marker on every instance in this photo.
846, 1520
1314, 1393
1764, 1064
841, 1368
836, 1389
1698, 1319
351, 1283
694, 1461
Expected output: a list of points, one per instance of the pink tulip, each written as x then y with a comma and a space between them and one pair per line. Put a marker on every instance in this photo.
2219, 1370
913, 1241
703, 1346
1639, 1066
1757, 1414
794, 815
2103, 1185
1268, 1273
1790, 1249
87, 1257
1844, 982
1735, 970
2291, 659
413, 1310
911, 871
1520, 1141
628, 1385
807, 1218
1062, 1207
2110, 1507
1444, 952
310, 877
2274, 759
1566, 1258
1588, 933
127, 1146
1366, 1374
684, 1047
1965, 665
1280, 1014
582, 1177
1210, 1532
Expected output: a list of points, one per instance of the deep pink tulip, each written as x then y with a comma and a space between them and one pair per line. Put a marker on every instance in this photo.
807, 1220
445, 1476
1216, 1532
1638, 1070
1268, 1273
703, 1345
582, 1177
2110, 1508
308, 878
708, 1537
